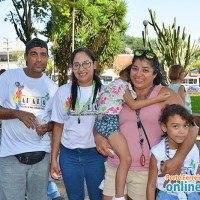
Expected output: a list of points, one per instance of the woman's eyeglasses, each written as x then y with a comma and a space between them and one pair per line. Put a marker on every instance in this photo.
148, 54
77, 65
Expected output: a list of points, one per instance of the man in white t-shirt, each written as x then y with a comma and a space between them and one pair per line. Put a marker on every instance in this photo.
25, 105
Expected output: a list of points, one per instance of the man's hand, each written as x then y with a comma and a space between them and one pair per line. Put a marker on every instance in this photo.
103, 145
29, 119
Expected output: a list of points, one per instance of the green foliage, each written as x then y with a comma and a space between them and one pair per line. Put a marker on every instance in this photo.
195, 99
16, 54
196, 64
50, 68
133, 43
99, 26
19, 58
21, 19
172, 47
25, 14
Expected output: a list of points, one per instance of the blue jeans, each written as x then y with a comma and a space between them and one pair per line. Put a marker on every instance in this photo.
164, 196
16, 179
77, 164
52, 190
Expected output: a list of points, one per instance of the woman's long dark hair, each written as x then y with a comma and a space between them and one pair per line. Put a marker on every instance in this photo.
75, 85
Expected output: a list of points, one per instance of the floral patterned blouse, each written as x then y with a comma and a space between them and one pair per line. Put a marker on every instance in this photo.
111, 99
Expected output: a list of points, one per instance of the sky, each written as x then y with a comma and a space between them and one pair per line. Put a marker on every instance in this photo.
187, 15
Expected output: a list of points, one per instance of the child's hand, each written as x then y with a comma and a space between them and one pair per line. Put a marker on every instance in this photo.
164, 96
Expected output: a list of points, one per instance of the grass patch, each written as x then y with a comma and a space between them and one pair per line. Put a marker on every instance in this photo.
195, 103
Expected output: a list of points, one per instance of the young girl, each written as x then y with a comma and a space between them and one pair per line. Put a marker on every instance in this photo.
111, 101
175, 121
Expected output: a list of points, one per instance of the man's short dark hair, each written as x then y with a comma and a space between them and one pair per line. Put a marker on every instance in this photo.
36, 43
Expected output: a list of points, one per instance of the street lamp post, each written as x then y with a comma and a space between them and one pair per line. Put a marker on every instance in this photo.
73, 22
8, 58
145, 23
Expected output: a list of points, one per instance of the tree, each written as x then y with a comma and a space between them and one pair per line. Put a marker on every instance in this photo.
50, 68
196, 64
25, 15
172, 47
99, 26
134, 43
19, 58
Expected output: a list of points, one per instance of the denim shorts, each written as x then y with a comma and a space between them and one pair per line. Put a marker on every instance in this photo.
107, 125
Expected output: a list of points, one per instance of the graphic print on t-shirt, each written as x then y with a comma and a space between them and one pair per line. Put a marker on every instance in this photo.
67, 106
91, 109
18, 96
25, 101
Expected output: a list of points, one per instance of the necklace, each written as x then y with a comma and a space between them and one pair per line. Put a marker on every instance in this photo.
79, 111
181, 195
167, 154
139, 125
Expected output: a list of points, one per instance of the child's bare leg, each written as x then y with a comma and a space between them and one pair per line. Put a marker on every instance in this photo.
120, 147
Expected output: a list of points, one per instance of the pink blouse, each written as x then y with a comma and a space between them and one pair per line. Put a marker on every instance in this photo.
128, 126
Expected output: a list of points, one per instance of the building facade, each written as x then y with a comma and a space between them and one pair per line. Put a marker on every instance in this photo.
6, 54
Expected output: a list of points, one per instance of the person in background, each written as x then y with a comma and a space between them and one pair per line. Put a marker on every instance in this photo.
146, 77
25, 144
52, 191
176, 75
175, 122
74, 112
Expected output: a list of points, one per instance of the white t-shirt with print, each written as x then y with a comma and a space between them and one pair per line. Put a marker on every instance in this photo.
75, 135
191, 163
18, 91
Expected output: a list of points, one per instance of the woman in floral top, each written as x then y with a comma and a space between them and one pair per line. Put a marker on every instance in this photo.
111, 101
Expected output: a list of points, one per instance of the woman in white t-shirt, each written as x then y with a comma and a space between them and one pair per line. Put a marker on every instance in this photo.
74, 111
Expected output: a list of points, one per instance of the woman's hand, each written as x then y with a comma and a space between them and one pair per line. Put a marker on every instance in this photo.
172, 167
42, 129
54, 170
103, 145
